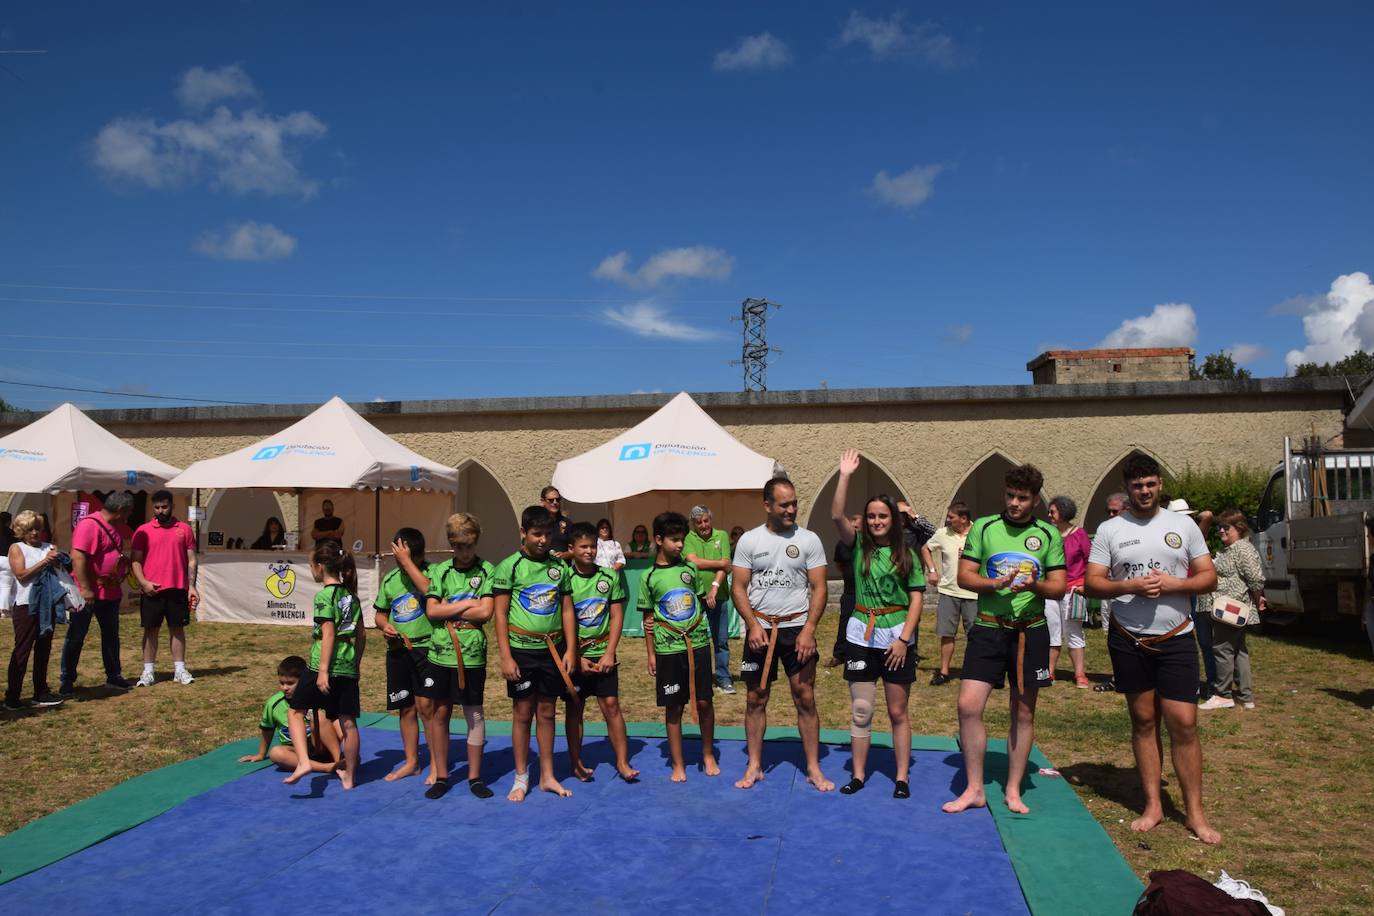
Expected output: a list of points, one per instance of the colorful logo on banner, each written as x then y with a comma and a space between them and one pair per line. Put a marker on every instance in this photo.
281, 580
638, 451
268, 452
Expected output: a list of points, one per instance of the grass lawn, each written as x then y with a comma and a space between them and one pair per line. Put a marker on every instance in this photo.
1290, 784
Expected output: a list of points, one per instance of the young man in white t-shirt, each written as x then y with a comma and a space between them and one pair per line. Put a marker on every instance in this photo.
779, 590
1151, 562
946, 545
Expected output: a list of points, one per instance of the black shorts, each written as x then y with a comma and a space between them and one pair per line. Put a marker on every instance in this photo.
670, 681
990, 655
785, 652
342, 699
407, 670
538, 676
172, 605
1172, 672
446, 689
598, 684
862, 663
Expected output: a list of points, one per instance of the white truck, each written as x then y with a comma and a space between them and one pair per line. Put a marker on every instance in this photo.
1310, 533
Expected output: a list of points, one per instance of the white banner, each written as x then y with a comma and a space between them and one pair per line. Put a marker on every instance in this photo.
268, 587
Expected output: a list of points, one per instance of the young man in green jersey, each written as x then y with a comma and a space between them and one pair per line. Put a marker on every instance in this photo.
456, 609
1013, 562
534, 617
598, 597
680, 649
275, 723
401, 618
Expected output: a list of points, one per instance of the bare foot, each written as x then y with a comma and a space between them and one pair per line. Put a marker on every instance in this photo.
345, 778
1015, 805
402, 771
752, 775
817, 779
517, 792
429, 776
554, 786
581, 772
679, 774
708, 762
972, 798
1204, 830
1149, 820
296, 774
627, 772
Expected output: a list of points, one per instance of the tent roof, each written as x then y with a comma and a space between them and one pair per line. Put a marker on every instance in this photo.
332, 448
67, 450
678, 448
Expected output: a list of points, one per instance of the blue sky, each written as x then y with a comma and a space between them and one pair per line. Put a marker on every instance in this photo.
280, 202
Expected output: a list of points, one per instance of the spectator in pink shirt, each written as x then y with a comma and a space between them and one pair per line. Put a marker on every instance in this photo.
1064, 628
165, 567
100, 545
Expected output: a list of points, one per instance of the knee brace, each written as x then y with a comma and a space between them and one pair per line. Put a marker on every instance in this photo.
477, 724
861, 697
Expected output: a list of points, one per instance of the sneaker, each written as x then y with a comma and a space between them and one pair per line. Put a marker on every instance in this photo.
145, 680
47, 700
118, 683
12, 707
182, 676
66, 691
725, 686
1250, 705
939, 678
1241, 890
1081, 683
1217, 702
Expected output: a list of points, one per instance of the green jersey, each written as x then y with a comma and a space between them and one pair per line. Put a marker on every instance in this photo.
1000, 546
881, 587
449, 584
592, 596
335, 604
274, 718
404, 602
670, 594
536, 589
714, 547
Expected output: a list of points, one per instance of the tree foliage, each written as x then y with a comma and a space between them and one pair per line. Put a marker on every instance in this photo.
1218, 367
1358, 364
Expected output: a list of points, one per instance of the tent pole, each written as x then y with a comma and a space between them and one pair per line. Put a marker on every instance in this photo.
195, 501
377, 522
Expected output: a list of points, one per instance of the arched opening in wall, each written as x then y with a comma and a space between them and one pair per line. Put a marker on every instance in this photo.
480, 493
983, 489
1095, 512
871, 479
241, 514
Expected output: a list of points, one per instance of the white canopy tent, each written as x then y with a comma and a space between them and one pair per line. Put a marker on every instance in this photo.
67, 450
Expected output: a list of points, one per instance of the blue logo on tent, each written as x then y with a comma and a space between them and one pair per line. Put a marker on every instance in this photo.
131, 477
636, 451
414, 473
267, 453
590, 612
539, 599
678, 605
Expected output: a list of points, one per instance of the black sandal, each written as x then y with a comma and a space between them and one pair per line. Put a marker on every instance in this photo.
438, 790
902, 790
852, 786
479, 788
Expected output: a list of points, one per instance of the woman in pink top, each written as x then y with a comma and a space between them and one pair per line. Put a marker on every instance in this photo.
1063, 629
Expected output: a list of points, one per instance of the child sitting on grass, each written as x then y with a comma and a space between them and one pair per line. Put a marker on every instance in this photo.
324, 756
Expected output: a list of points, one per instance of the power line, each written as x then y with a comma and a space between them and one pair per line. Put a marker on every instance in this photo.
315, 344
277, 309
125, 394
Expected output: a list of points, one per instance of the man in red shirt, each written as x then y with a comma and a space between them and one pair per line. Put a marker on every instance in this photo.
100, 544
165, 568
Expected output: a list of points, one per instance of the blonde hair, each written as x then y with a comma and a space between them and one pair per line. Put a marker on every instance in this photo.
27, 521
463, 527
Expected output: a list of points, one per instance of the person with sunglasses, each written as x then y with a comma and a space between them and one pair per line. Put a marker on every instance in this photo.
551, 499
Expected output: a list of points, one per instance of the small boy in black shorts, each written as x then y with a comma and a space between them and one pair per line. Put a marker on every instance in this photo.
400, 616
322, 749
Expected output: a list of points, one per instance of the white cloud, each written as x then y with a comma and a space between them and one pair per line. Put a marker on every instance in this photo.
1172, 324
246, 242
1337, 324
754, 52
909, 189
200, 88
648, 319
1248, 352
697, 262
892, 37
959, 334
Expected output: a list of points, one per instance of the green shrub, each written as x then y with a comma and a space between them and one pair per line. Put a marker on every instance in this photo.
1217, 488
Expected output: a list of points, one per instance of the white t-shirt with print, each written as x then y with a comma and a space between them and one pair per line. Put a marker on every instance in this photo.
1132, 547
778, 564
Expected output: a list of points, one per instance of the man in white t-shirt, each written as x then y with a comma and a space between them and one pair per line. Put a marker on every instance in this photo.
1151, 562
946, 545
779, 591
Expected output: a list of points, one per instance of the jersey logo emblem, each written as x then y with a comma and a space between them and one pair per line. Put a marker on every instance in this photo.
856, 665
749, 666
603, 586
554, 573
539, 599
474, 582
1034, 543
678, 604
670, 689
405, 609
686, 578
1019, 564
792, 551
590, 612
1173, 539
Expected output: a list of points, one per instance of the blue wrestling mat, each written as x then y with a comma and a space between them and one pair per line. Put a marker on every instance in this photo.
254, 845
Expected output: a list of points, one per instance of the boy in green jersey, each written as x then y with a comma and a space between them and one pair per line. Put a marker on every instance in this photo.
456, 609
534, 618
401, 618
275, 723
680, 650
598, 598
331, 675
1014, 561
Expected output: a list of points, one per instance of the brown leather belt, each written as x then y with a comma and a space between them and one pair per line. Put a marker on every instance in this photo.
686, 633
1148, 643
873, 615
584, 644
1020, 626
772, 620
453, 627
553, 651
